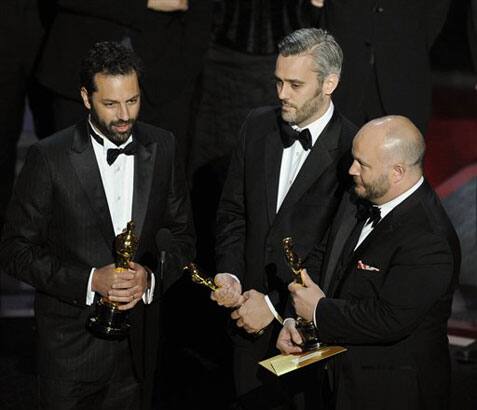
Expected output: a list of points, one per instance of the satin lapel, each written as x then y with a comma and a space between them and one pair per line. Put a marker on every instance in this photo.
318, 160
347, 223
273, 160
143, 176
86, 167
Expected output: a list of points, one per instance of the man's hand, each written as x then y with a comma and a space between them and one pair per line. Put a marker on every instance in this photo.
123, 287
229, 293
317, 3
306, 297
168, 5
254, 314
289, 338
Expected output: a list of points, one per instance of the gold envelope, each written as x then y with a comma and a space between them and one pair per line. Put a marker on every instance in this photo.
284, 363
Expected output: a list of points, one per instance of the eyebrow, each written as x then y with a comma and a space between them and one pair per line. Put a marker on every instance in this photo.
114, 101
289, 80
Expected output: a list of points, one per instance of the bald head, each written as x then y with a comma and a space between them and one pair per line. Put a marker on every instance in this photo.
388, 155
398, 139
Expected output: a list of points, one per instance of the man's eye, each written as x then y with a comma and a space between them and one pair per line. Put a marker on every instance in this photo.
108, 104
295, 85
133, 101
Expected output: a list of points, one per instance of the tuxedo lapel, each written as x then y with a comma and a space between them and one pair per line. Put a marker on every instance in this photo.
86, 167
143, 175
345, 227
318, 160
273, 160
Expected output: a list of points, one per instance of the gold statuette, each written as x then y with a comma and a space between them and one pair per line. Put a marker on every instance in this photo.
199, 277
293, 260
306, 328
107, 321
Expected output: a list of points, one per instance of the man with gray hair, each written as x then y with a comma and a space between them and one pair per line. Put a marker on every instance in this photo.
286, 178
386, 284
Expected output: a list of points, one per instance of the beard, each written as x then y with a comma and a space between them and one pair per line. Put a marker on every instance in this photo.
309, 108
373, 190
107, 130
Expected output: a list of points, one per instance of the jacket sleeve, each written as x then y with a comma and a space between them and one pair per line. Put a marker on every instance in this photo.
25, 252
179, 221
231, 215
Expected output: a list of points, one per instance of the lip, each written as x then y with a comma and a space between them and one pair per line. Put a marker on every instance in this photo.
121, 128
287, 107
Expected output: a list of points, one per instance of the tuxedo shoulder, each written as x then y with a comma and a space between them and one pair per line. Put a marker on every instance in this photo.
429, 221
349, 128
59, 140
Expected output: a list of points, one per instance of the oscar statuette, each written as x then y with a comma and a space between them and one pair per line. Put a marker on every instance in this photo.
201, 278
107, 321
307, 329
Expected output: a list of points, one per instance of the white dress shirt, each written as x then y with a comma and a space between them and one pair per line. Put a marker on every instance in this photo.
294, 156
118, 183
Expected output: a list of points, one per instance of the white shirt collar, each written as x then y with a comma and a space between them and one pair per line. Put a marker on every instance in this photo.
389, 206
317, 126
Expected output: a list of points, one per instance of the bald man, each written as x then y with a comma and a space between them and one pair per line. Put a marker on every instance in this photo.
386, 280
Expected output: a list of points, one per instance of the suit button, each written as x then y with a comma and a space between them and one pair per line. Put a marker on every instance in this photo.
378, 9
75, 302
269, 248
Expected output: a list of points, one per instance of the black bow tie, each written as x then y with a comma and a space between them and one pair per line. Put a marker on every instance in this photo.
371, 212
113, 153
289, 136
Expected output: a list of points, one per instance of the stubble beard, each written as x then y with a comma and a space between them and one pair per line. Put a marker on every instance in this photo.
306, 111
373, 190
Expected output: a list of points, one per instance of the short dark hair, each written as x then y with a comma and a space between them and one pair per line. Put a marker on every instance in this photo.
108, 57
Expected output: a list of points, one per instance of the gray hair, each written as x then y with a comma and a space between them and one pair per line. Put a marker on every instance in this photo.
325, 51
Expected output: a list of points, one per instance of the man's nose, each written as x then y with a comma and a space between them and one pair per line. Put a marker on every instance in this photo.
123, 112
354, 168
282, 92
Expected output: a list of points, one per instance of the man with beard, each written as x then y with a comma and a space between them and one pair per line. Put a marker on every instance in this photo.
286, 178
386, 284
76, 192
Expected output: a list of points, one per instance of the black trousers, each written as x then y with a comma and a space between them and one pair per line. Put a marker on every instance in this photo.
120, 391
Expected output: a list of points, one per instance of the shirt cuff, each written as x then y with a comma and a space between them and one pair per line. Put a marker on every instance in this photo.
89, 292
148, 295
273, 310
314, 313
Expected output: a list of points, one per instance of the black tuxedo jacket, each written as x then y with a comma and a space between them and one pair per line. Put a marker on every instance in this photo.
249, 231
389, 305
58, 227
400, 33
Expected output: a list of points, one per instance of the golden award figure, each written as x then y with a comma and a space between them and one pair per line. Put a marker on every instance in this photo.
306, 328
199, 277
107, 320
